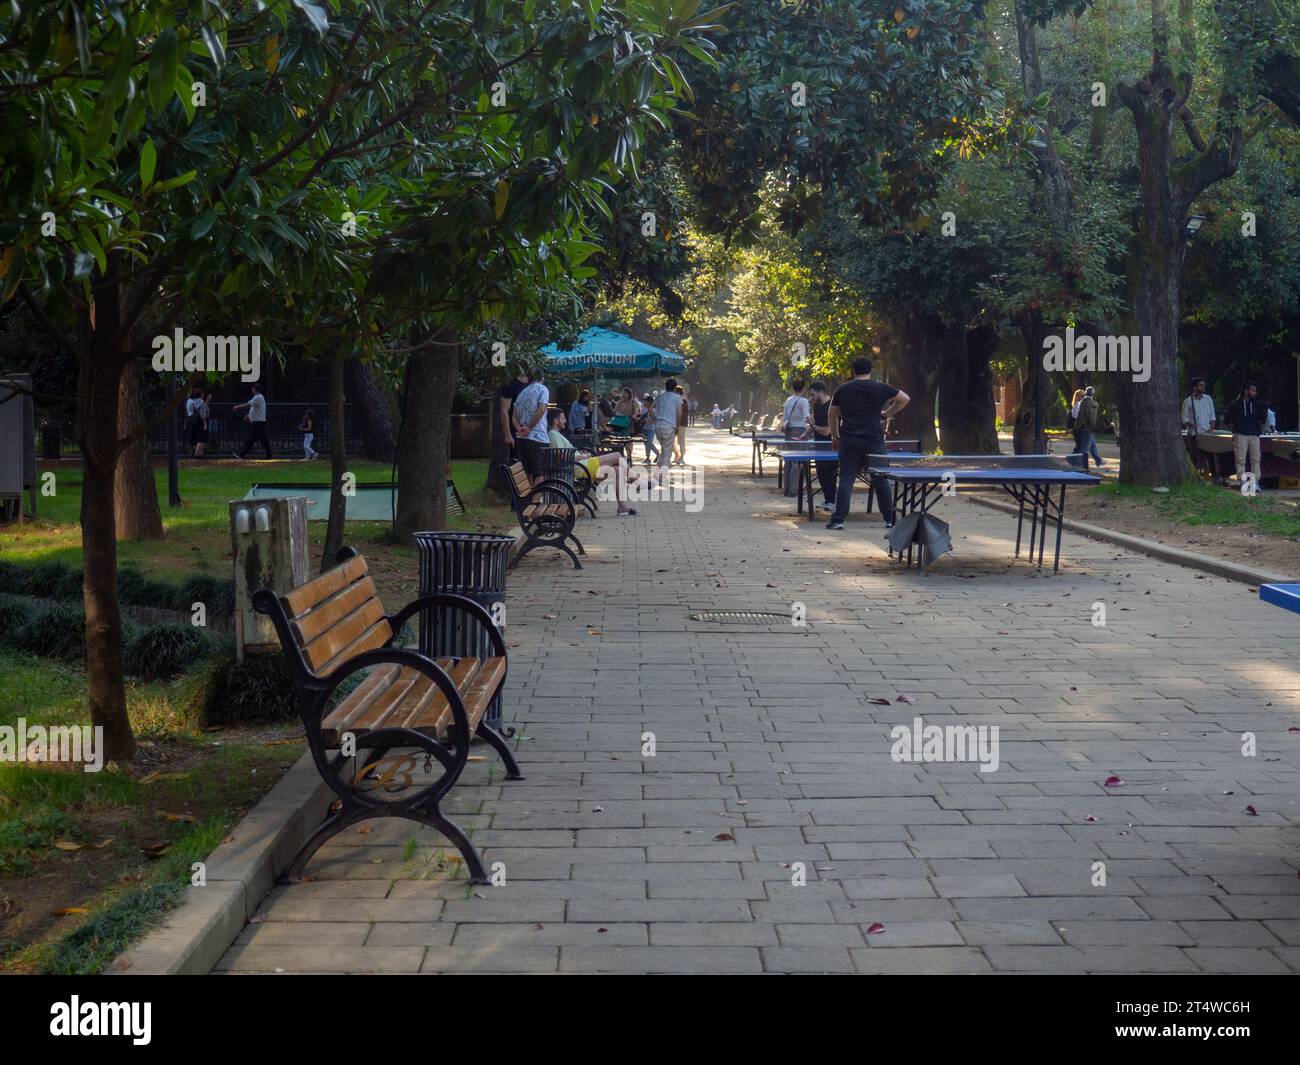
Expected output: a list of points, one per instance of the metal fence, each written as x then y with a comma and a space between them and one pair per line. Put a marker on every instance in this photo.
227, 430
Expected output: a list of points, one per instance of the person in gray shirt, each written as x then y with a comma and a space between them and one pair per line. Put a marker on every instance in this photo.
667, 413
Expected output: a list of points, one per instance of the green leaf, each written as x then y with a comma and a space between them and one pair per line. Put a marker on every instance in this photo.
503, 197
162, 70
203, 225
148, 161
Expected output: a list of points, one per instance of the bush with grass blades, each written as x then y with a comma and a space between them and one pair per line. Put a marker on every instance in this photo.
59, 632
258, 690
161, 652
14, 614
217, 596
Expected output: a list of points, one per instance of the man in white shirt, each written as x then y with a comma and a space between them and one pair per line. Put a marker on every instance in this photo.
1198, 409
667, 414
530, 415
256, 418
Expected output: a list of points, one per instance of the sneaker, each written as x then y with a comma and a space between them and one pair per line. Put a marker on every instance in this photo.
629, 513
824, 506
889, 524
835, 523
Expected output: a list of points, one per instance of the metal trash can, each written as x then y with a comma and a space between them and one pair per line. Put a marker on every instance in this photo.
472, 565
557, 464
51, 442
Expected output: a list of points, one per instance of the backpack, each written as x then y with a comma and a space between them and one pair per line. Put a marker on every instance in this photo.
1087, 418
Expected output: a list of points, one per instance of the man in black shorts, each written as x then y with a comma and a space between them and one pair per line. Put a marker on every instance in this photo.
530, 416
855, 415
821, 425
506, 410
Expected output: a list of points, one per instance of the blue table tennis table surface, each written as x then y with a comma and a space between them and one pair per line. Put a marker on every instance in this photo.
994, 475
1287, 596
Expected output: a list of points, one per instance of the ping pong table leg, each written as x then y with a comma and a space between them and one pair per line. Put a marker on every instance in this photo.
1060, 520
753, 456
1020, 516
1035, 507
1047, 517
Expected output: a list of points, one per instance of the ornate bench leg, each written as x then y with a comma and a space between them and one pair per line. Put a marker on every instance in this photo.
499, 745
332, 826
576, 542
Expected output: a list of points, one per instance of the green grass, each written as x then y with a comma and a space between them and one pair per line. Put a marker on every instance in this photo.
1196, 503
198, 533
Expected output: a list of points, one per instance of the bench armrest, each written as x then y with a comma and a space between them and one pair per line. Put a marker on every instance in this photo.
457, 602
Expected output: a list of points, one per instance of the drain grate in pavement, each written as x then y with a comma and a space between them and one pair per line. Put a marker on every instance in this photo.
741, 617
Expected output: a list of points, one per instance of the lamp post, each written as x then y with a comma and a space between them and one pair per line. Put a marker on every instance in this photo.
1194, 224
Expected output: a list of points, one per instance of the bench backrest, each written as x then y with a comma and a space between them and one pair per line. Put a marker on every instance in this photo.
519, 480
336, 616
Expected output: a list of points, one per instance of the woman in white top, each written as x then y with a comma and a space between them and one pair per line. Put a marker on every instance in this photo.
794, 418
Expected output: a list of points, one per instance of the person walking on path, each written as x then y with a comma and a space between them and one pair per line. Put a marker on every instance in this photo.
683, 419
667, 415
1085, 426
821, 430
530, 416
256, 418
196, 420
506, 410
308, 428
1245, 415
855, 415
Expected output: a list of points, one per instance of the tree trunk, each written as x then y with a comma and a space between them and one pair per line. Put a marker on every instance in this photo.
1151, 447
422, 447
1029, 434
498, 453
338, 467
135, 499
967, 412
913, 367
99, 392
374, 410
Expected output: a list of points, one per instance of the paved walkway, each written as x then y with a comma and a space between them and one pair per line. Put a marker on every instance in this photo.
773, 757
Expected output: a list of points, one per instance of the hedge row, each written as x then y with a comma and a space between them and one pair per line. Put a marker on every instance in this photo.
217, 690
57, 580
151, 652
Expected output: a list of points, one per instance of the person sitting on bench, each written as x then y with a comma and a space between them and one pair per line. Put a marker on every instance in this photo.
594, 464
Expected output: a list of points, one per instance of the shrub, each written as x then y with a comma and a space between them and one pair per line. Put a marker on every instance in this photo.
14, 614
136, 588
55, 633
218, 595
160, 652
221, 691
53, 580
13, 578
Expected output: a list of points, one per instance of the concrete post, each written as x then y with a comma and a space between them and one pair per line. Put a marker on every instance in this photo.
269, 549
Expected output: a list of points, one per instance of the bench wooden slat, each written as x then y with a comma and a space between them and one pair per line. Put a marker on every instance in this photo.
306, 596
331, 611
362, 630
405, 698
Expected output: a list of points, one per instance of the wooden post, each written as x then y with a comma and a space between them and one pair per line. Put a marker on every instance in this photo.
269, 547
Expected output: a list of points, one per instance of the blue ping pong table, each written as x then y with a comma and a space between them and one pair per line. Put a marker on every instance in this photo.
1029, 479
783, 448
1287, 596
804, 459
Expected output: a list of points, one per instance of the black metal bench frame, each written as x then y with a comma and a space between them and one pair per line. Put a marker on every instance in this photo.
545, 530
313, 692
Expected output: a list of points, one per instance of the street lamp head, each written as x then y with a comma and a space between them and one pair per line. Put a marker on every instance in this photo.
1194, 223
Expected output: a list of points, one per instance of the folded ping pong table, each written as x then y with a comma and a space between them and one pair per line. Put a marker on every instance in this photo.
1028, 479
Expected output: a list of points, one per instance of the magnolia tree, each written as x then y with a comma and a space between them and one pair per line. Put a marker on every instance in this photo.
317, 176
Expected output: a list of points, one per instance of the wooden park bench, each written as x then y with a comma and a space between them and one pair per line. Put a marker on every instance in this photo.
332, 629
547, 513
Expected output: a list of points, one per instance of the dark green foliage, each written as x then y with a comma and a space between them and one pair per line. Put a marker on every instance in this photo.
136, 588
254, 691
14, 614
216, 594
161, 652
59, 632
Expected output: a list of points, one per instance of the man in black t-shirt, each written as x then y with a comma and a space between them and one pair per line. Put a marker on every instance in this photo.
506, 409
855, 415
821, 426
